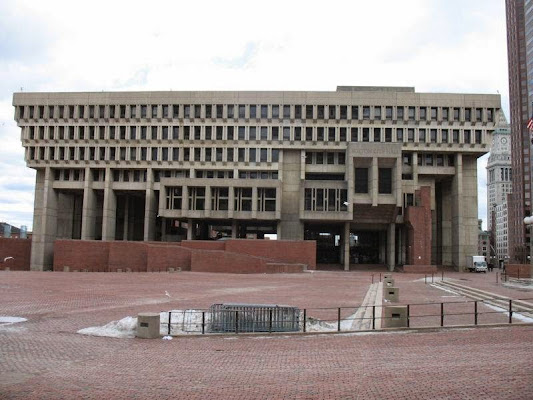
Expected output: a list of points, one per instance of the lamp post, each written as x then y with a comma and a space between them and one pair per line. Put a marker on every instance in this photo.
528, 221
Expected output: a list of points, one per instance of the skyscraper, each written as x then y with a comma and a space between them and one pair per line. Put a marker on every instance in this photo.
520, 47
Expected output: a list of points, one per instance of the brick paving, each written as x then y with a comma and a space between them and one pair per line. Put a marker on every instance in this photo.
44, 358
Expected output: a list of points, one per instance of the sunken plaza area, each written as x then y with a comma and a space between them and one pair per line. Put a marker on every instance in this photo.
45, 358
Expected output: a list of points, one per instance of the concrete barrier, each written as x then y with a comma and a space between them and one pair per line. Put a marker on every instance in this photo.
66, 269
148, 325
391, 294
394, 317
388, 282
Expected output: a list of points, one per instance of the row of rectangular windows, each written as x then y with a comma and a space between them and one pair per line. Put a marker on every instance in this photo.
243, 197
140, 175
286, 111
240, 154
284, 133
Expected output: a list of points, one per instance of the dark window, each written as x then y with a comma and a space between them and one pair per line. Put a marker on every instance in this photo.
399, 113
264, 111
377, 134
298, 133
342, 134
366, 134
309, 112
298, 112
385, 181
361, 180
366, 112
354, 134
355, 112
309, 133
253, 111
230, 110
275, 111
344, 112
467, 135
399, 135
433, 113
423, 113
444, 134
320, 112
286, 111
478, 136
242, 110
445, 115
422, 135
468, 114
411, 112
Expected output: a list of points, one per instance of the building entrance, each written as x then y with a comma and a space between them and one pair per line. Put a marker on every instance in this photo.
367, 247
328, 242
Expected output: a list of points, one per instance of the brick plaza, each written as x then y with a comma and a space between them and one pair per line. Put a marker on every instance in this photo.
44, 358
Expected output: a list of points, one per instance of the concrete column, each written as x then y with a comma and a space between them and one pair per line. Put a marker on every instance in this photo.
374, 181
415, 169
458, 237
290, 225
150, 211
234, 229
254, 202
231, 201
185, 200
346, 246
44, 221
88, 217
109, 218
126, 218
190, 229
398, 182
391, 248
208, 195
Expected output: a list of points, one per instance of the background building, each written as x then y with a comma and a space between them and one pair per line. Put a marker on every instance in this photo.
376, 175
520, 54
483, 247
499, 185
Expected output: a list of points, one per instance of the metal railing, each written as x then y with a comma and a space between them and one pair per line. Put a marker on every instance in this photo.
353, 318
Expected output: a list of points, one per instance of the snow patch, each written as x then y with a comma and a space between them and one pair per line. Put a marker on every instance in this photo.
516, 315
124, 328
4, 319
183, 322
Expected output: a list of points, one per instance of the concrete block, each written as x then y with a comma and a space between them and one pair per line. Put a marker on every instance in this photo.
66, 269
171, 270
391, 294
119, 269
388, 282
148, 325
394, 316
385, 276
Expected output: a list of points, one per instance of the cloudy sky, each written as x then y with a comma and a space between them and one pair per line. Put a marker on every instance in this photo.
433, 45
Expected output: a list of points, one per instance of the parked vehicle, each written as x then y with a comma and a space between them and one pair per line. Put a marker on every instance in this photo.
477, 264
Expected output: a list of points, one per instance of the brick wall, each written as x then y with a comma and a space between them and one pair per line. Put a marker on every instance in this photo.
286, 251
127, 255
205, 244
19, 249
247, 256
418, 220
92, 255
161, 258
519, 270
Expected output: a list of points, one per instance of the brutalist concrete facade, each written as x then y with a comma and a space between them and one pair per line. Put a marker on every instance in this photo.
343, 168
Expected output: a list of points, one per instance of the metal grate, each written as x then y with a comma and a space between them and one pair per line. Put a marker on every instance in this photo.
232, 317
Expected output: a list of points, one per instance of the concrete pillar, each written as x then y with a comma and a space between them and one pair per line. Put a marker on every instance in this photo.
88, 217
207, 207
234, 229
415, 169
163, 229
391, 246
374, 181
126, 218
346, 246
190, 229
150, 211
44, 221
254, 202
290, 225
458, 232
109, 218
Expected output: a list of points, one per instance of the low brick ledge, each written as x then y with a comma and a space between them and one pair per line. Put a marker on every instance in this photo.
420, 269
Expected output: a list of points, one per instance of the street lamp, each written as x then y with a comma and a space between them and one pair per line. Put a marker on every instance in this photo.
528, 221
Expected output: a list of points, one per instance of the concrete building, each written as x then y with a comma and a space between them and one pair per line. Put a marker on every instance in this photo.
520, 57
483, 247
376, 175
